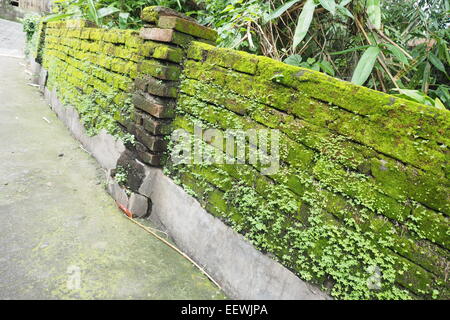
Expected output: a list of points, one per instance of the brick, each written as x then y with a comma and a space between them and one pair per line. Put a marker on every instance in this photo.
433, 226
153, 13
152, 105
152, 125
166, 35
148, 157
141, 83
160, 70
227, 58
157, 87
189, 27
168, 53
96, 34
153, 143
151, 159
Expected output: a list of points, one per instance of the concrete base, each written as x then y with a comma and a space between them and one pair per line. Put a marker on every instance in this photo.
241, 270
103, 147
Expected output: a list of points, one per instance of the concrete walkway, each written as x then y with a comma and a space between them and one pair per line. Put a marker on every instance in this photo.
61, 235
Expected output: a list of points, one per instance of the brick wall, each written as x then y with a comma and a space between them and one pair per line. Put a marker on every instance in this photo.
359, 169
130, 79
360, 203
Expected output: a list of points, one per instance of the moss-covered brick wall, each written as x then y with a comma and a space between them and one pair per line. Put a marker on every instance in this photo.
124, 81
360, 204
362, 195
93, 70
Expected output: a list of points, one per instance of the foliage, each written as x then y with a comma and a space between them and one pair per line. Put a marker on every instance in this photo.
394, 46
110, 13
30, 25
387, 45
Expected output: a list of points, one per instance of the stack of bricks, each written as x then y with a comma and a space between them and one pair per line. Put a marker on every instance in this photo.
166, 35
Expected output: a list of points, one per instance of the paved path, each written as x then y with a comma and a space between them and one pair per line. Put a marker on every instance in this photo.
58, 227
12, 39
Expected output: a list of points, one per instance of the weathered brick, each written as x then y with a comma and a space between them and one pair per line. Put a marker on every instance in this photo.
168, 53
150, 158
153, 143
160, 70
166, 35
227, 58
157, 87
152, 105
152, 125
153, 13
162, 88
189, 27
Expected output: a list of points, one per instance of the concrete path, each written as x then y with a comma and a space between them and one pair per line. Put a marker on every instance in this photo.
12, 39
61, 235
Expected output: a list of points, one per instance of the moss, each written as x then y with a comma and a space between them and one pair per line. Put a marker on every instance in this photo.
227, 58
429, 157
96, 34
160, 70
188, 27
168, 53
415, 118
357, 186
404, 182
132, 39
150, 14
431, 225
296, 154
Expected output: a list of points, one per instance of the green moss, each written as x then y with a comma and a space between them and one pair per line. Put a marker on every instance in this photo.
150, 14
168, 53
188, 27
227, 58
160, 70
430, 157
357, 186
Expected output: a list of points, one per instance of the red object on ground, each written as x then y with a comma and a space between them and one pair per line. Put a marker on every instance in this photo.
125, 210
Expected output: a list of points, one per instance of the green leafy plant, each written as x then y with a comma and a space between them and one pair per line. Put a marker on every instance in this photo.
30, 23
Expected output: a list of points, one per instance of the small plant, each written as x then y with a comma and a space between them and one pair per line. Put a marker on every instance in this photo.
121, 175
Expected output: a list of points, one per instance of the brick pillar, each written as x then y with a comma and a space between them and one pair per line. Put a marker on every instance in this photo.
166, 35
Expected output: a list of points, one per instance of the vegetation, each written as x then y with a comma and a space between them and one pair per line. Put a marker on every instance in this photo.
360, 203
30, 25
396, 46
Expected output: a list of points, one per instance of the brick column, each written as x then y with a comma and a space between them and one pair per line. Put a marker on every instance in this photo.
166, 36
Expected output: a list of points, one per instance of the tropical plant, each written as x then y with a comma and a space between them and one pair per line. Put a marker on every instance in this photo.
395, 46
109, 13
29, 25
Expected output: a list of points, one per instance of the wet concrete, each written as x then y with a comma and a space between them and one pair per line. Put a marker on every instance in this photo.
58, 227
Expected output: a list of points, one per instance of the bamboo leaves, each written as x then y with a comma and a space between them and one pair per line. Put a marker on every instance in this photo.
278, 12
304, 21
329, 5
365, 65
374, 13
